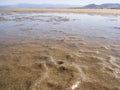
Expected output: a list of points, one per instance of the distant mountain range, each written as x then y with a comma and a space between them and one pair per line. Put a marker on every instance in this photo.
91, 6
107, 5
39, 6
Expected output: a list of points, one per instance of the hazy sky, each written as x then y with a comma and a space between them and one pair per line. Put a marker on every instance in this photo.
78, 2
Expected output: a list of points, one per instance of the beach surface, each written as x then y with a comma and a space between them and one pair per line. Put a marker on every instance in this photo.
103, 11
59, 51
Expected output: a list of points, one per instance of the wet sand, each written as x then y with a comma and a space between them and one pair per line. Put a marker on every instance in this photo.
47, 62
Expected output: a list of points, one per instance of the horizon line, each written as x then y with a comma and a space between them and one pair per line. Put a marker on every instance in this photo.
55, 4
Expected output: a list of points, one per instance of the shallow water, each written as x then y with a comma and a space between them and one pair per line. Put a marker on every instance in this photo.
57, 25
87, 25
59, 51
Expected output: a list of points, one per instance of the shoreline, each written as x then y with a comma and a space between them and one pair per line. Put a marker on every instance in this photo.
96, 11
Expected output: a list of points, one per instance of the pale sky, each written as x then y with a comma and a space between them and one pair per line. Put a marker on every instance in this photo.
73, 2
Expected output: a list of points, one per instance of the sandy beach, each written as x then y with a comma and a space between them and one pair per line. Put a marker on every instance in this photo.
59, 51
98, 11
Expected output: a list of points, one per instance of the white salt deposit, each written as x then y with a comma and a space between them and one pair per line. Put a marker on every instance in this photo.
75, 85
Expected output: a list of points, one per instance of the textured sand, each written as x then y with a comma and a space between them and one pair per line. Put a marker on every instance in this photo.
58, 65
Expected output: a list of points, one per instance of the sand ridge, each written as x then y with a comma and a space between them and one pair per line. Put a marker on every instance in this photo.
97, 11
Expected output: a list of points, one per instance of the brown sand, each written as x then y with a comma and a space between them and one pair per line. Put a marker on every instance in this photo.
103, 11
35, 66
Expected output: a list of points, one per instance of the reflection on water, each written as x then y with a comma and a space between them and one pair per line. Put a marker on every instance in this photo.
59, 51
37, 24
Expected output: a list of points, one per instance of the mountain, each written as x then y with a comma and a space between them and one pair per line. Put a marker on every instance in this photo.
39, 6
107, 6
90, 6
